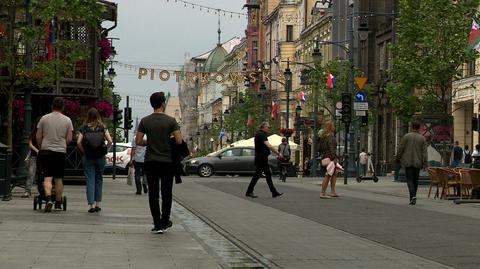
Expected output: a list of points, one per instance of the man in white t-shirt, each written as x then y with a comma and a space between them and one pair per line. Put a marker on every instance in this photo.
137, 158
54, 133
363, 161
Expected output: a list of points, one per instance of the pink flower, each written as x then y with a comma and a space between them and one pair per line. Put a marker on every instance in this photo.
18, 108
71, 108
104, 108
105, 48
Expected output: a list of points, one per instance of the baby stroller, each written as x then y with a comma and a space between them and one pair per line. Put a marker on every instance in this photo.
40, 199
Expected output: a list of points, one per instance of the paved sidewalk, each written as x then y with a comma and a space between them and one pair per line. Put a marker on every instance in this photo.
117, 237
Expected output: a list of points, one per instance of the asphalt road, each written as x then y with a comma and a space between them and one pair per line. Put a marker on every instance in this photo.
446, 238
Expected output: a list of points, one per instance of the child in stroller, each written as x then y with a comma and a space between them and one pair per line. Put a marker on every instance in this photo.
39, 199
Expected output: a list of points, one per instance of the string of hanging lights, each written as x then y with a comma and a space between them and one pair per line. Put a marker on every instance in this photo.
208, 9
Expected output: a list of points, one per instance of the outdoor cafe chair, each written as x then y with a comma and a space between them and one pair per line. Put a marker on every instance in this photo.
435, 180
449, 179
465, 181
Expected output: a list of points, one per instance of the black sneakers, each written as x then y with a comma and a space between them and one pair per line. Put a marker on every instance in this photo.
160, 229
166, 226
413, 201
58, 205
251, 195
157, 230
277, 194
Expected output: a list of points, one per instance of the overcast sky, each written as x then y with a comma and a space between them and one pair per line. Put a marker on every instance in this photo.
158, 34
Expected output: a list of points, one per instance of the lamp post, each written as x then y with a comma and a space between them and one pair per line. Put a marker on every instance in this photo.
317, 57
288, 86
27, 106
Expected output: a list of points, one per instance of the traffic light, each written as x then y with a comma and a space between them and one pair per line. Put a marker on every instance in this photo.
346, 107
117, 115
364, 121
128, 123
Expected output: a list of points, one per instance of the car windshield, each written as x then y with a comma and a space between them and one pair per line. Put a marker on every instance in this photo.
118, 148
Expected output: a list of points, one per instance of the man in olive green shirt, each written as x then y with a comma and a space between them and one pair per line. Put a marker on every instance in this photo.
412, 155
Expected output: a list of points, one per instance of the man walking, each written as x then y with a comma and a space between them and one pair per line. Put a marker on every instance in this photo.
284, 158
457, 155
412, 154
137, 157
158, 159
54, 133
262, 150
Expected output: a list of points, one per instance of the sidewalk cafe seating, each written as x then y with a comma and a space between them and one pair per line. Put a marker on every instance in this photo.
435, 181
449, 178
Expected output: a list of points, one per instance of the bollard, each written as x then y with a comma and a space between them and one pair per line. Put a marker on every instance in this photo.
5, 172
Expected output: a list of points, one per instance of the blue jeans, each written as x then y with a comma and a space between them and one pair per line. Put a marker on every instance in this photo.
93, 169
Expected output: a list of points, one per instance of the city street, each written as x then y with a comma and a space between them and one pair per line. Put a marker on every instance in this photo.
370, 226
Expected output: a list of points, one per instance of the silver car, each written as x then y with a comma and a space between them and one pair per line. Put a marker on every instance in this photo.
227, 161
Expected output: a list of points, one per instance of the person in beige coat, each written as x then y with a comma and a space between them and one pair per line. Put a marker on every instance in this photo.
412, 155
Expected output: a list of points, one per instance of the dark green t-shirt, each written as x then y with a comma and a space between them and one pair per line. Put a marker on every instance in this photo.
158, 127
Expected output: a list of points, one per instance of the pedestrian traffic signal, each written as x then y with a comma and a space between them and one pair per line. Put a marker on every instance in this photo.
346, 107
117, 115
128, 122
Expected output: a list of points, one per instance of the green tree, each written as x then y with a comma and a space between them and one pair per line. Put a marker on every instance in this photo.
252, 105
25, 32
429, 47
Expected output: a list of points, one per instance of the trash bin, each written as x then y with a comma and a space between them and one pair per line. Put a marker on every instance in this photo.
5, 172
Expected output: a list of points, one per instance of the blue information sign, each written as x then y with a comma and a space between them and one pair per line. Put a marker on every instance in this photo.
361, 96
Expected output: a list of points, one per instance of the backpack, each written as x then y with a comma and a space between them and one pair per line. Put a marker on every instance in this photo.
468, 157
94, 142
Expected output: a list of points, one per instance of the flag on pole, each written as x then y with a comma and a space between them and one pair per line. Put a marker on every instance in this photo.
301, 95
50, 28
249, 121
474, 36
274, 110
330, 80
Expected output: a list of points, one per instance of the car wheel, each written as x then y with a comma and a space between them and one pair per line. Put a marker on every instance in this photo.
205, 170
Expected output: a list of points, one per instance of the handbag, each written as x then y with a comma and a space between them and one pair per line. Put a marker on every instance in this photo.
131, 175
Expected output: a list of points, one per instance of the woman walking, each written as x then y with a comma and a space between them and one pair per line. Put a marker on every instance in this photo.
328, 153
31, 162
91, 141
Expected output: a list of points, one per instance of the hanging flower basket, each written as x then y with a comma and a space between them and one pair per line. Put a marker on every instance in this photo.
18, 111
71, 108
286, 131
104, 108
105, 48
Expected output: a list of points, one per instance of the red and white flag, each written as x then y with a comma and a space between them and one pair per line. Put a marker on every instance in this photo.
274, 110
474, 36
301, 95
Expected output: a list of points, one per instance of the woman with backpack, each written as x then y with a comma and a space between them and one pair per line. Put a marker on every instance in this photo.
91, 141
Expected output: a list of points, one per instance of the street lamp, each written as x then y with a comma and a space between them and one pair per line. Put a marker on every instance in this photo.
317, 57
288, 86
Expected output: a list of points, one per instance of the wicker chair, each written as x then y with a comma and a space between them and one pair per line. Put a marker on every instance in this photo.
435, 180
449, 179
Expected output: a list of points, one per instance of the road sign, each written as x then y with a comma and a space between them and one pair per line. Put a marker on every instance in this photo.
360, 96
360, 81
360, 113
360, 105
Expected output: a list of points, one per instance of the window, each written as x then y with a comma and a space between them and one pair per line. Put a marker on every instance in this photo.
289, 33
231, 153
471, 68
248, 152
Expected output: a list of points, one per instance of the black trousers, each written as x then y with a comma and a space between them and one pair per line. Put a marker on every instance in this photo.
412, 174
261, 167
159, 173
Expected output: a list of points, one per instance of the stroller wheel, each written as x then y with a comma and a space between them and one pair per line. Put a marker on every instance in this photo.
40, 202
359, 179
64, 201
35, 202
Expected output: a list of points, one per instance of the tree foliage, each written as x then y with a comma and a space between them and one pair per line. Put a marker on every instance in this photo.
30, 32
430, 45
